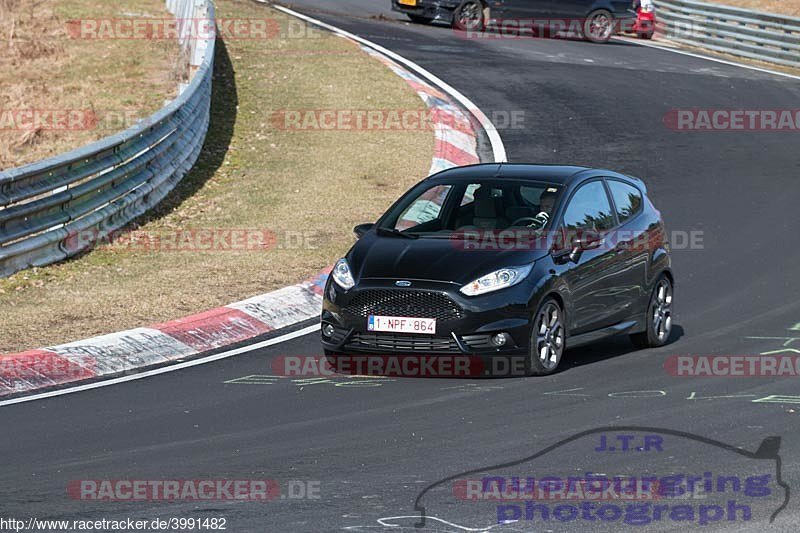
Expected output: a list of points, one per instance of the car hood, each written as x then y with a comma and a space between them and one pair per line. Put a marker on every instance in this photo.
434, 259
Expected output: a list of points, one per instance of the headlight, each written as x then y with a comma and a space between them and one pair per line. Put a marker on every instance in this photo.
499, 279
342, 275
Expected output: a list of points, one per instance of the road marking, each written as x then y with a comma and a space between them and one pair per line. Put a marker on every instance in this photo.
638, 394
789, 340
255, 379
693, 396
498, 149
565, 391
164, 370
630, 40
382, 521
777, 398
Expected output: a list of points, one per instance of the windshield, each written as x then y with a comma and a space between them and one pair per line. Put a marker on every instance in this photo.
484, 205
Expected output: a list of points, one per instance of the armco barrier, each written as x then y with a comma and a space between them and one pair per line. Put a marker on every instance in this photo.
48, 208
732, 30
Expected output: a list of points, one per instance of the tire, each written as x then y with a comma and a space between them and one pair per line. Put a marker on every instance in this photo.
599, 26
419, 19
658, 317
548, 339
469, 16
648, 35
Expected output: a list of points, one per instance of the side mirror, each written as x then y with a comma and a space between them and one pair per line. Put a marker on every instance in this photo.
572, 251
361, 229
587, 241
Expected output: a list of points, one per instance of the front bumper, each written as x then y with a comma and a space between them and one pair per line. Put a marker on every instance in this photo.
464, 325
440, 10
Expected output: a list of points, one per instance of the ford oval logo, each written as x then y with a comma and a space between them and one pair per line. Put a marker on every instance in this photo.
402, 283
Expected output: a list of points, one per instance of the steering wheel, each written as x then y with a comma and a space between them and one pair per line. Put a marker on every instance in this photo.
523, 219
539, 221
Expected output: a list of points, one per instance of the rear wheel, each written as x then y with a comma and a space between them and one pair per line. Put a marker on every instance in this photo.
599, 26
468, 16
659, 316
547, 339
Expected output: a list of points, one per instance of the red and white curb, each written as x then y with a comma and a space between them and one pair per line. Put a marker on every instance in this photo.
456, 140
187, 338
172, 341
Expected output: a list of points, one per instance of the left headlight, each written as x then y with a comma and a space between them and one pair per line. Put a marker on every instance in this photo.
342, 275
499, 279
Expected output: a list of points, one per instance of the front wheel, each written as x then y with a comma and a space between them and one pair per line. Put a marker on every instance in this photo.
548, 338
659, 316
599, 26
468, 16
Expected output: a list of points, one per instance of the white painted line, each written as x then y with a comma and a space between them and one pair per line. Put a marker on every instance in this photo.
638, 42
498, 149
164, 370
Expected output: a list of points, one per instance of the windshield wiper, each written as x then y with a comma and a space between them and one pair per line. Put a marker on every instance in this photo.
394, 233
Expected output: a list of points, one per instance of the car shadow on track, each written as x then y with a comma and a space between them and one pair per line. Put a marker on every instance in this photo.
606, 349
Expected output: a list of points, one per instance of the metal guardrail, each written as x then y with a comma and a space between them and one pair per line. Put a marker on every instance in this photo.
731, 30
55, 208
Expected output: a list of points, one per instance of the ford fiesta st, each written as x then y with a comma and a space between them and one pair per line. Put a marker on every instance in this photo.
500, 260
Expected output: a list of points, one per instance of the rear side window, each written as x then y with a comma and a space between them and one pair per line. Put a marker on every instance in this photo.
627, 199
589, 209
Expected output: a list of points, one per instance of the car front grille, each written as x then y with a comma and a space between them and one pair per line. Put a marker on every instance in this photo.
403, 302
402, 343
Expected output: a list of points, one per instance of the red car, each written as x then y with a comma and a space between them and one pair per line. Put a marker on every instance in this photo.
645, 25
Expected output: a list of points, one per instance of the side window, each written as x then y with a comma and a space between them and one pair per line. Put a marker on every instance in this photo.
469, 194
589, 209
627, 199
424, 209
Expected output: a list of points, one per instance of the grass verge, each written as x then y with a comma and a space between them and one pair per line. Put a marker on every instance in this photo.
306, 189
46, 68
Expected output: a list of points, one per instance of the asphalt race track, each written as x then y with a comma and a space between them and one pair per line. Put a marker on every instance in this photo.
374, 444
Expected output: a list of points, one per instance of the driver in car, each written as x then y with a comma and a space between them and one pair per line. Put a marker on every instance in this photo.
546, 202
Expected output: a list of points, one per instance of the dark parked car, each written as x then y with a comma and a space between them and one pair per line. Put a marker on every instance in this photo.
498, 260
597, 20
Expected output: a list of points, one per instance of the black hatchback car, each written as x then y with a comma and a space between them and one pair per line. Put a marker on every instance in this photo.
597, 20
498, 260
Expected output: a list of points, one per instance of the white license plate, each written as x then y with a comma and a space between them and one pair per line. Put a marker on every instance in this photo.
401, 324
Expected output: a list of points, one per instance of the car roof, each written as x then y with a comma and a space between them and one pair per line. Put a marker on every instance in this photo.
560, 174
565, 175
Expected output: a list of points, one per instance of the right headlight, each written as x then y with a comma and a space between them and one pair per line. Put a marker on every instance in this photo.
342, 275
499, 279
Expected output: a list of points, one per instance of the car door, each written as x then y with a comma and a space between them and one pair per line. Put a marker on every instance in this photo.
529, 9
597, 276
630, 241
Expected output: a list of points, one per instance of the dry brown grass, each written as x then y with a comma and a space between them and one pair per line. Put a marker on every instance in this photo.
308, 187
43, 68
784, 7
